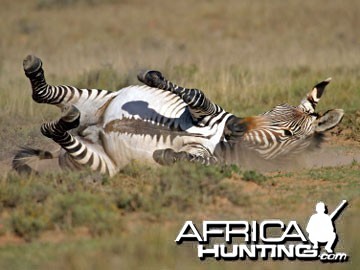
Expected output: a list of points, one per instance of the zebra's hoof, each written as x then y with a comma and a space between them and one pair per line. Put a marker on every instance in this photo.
165, 156
71, 114
151, 78
31, 64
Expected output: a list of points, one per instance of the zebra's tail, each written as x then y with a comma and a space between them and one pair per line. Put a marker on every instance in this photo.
25, 158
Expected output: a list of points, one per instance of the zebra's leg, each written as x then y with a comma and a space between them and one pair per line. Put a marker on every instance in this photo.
60, 95
80, 152
200, 106
41, 91
169, 156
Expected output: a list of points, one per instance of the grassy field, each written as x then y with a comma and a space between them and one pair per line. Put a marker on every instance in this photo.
248, 56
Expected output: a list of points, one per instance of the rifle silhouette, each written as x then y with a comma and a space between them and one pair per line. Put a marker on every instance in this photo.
338, 209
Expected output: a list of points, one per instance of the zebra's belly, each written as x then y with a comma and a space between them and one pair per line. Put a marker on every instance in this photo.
149, 104
125, 147
140, 120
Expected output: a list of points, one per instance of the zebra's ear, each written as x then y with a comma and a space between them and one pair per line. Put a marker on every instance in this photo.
311, 100
329, 120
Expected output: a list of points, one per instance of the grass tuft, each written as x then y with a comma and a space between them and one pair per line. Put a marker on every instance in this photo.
84, 209
29, 221
254, 176
104, 78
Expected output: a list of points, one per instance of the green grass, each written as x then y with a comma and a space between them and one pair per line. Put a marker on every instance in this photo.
336, 174
247, 56
140, 211
254, 176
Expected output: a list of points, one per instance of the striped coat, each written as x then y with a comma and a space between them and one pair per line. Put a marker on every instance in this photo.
161, 122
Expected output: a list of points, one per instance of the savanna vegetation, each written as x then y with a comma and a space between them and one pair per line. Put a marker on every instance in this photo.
248, 56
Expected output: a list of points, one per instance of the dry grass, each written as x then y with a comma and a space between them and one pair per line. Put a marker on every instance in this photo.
78, 221
229, 47
247, 55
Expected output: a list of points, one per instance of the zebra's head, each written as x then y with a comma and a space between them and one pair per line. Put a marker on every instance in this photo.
324, 121
285, 129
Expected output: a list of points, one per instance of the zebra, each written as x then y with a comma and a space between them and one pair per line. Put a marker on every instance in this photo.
163, 123
276, 135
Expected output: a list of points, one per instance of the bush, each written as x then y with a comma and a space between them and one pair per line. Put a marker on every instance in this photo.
17, 191
28, 222
254, 177
84, 209
183, 186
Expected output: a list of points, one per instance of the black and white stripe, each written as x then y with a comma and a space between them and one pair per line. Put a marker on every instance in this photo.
199, 105
165, 123
80, 153
283, 131
57, 95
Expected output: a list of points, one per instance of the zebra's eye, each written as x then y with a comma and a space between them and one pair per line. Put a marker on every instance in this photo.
288, 132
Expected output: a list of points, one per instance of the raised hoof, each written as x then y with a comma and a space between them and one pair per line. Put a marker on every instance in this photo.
31, 64
151, 78
70, 114
70, 118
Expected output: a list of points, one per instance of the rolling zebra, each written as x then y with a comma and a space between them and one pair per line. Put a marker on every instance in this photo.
161, 122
